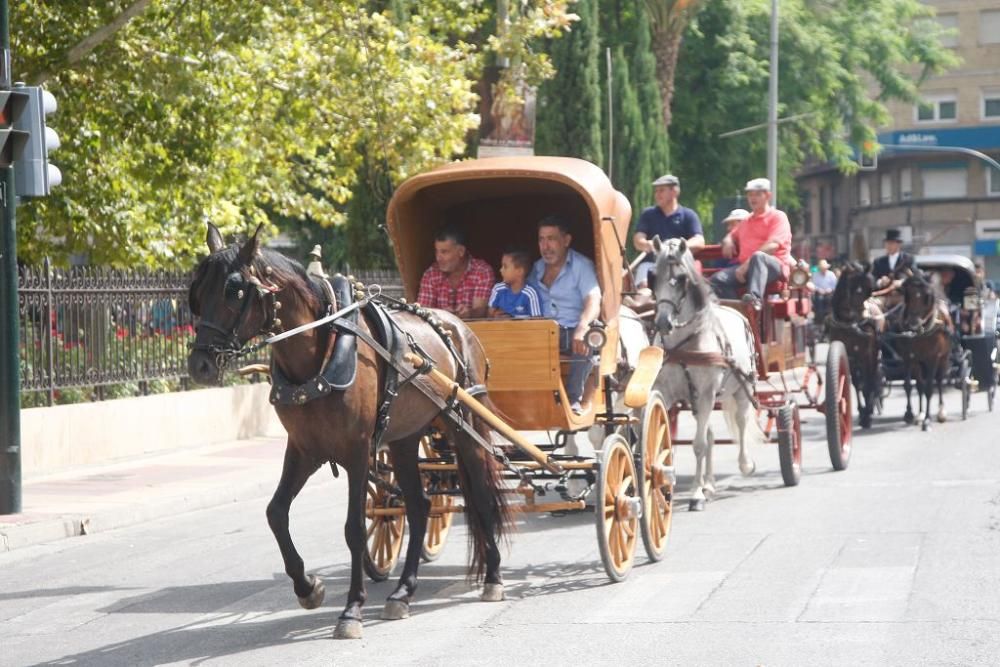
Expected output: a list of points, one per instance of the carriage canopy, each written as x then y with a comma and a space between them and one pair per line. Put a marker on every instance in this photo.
497, 203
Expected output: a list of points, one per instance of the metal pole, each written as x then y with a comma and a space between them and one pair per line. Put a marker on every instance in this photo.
10, 381
772, 108
611, 115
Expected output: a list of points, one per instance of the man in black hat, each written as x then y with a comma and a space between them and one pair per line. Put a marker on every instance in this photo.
894, 262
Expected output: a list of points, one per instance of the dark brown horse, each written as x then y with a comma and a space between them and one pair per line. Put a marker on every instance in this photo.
238, 293
924, 345
854, 322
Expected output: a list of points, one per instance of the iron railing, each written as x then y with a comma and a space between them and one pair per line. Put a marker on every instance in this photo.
97, 328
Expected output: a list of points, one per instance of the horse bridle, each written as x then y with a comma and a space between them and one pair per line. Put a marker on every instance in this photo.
673, 281
231, 346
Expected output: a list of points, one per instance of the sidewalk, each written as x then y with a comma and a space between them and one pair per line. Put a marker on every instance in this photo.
114, 495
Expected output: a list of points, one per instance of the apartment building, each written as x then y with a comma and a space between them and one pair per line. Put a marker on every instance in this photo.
943, 199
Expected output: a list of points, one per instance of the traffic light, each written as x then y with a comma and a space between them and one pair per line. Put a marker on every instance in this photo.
12, 140
868, 159
33, 175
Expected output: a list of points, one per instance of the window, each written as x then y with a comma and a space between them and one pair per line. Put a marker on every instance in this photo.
992, 181
944, 182
991, 103
937, 108
905, 184
949, 22
864, 192
885, 189
989, 26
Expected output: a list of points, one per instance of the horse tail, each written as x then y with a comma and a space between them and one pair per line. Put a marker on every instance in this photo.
752, 433
488, 513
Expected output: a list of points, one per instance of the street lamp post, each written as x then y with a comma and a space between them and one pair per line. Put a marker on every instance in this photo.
772, 108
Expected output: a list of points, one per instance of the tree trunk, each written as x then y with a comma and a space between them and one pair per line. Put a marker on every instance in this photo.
666, 48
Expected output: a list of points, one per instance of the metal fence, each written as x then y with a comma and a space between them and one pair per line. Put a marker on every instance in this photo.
112, 332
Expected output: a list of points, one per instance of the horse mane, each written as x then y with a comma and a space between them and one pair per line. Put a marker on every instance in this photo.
268, 266
841, 300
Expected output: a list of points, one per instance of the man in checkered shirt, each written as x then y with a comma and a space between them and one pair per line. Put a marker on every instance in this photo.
456, 282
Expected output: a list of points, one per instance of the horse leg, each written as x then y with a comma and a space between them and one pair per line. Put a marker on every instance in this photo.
404, 462
349, 624
700, 446
294, 473
942, 415
908, 415
485, 509
709, 466
742, 412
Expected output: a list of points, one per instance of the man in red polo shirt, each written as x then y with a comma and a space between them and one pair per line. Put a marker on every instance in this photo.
456, 282
762, 246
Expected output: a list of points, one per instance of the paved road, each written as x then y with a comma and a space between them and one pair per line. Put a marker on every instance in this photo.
894, 561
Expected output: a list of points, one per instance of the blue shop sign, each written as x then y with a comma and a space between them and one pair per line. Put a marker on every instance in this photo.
987, 248
984, 137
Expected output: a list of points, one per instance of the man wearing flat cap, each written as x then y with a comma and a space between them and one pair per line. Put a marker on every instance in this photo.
668, 220
761, 244
890, 266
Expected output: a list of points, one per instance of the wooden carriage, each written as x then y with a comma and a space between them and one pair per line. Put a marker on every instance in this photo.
497, 203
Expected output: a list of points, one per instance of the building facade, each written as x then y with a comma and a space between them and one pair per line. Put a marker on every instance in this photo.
944, 200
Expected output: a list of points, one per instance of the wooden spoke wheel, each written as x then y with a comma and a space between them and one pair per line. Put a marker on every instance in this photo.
438, 525
618, 508
790, 443
385, 531
838, 405
655, 474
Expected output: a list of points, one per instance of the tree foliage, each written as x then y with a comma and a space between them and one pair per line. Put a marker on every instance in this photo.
173, 113
839, 64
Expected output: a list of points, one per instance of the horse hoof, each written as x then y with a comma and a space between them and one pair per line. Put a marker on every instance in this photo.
315, 598
348, 628
942, 418
696, 505
866, 421
748, 470
908, 418
395, 610
492, 593
926, 426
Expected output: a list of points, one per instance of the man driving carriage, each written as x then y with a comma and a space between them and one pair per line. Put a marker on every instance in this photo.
571, 296
762, 244
457, 281
890, 267
668, 220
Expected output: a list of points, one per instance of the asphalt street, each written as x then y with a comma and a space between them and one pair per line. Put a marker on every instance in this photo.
895, 561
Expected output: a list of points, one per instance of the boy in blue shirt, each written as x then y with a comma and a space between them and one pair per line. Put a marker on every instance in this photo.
514, 297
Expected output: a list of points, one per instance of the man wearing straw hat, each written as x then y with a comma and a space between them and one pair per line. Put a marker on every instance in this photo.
761, 244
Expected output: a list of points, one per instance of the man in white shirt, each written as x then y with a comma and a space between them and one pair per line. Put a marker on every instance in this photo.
890, 266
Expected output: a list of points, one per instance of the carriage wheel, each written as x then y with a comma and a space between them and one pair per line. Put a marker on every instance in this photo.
965, 384
654, 468
437, 525
385, 533
838, 405
618, 510
790, 443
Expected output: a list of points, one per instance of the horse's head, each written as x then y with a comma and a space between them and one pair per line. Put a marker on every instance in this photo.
680, 291
233, 297
854, 287
919, 298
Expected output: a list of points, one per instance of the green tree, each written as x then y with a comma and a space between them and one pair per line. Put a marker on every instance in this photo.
173, 113
838, 67
569, 104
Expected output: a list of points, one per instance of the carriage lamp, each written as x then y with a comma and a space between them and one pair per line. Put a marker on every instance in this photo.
799, 277
596, 336
971, 300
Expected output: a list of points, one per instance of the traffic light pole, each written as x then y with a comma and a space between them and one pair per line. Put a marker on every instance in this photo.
10, 380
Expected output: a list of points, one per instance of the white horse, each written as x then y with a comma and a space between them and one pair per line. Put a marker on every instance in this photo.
709, 357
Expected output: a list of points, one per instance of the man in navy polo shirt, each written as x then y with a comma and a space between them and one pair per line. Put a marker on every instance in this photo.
668, 220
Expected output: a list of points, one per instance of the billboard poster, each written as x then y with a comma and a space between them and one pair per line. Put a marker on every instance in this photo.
507, 117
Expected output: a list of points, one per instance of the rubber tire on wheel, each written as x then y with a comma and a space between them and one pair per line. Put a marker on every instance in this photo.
617, 533
654, 448
839, 410
437, 526
991, 393
790, 443
965, 385
384, 533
